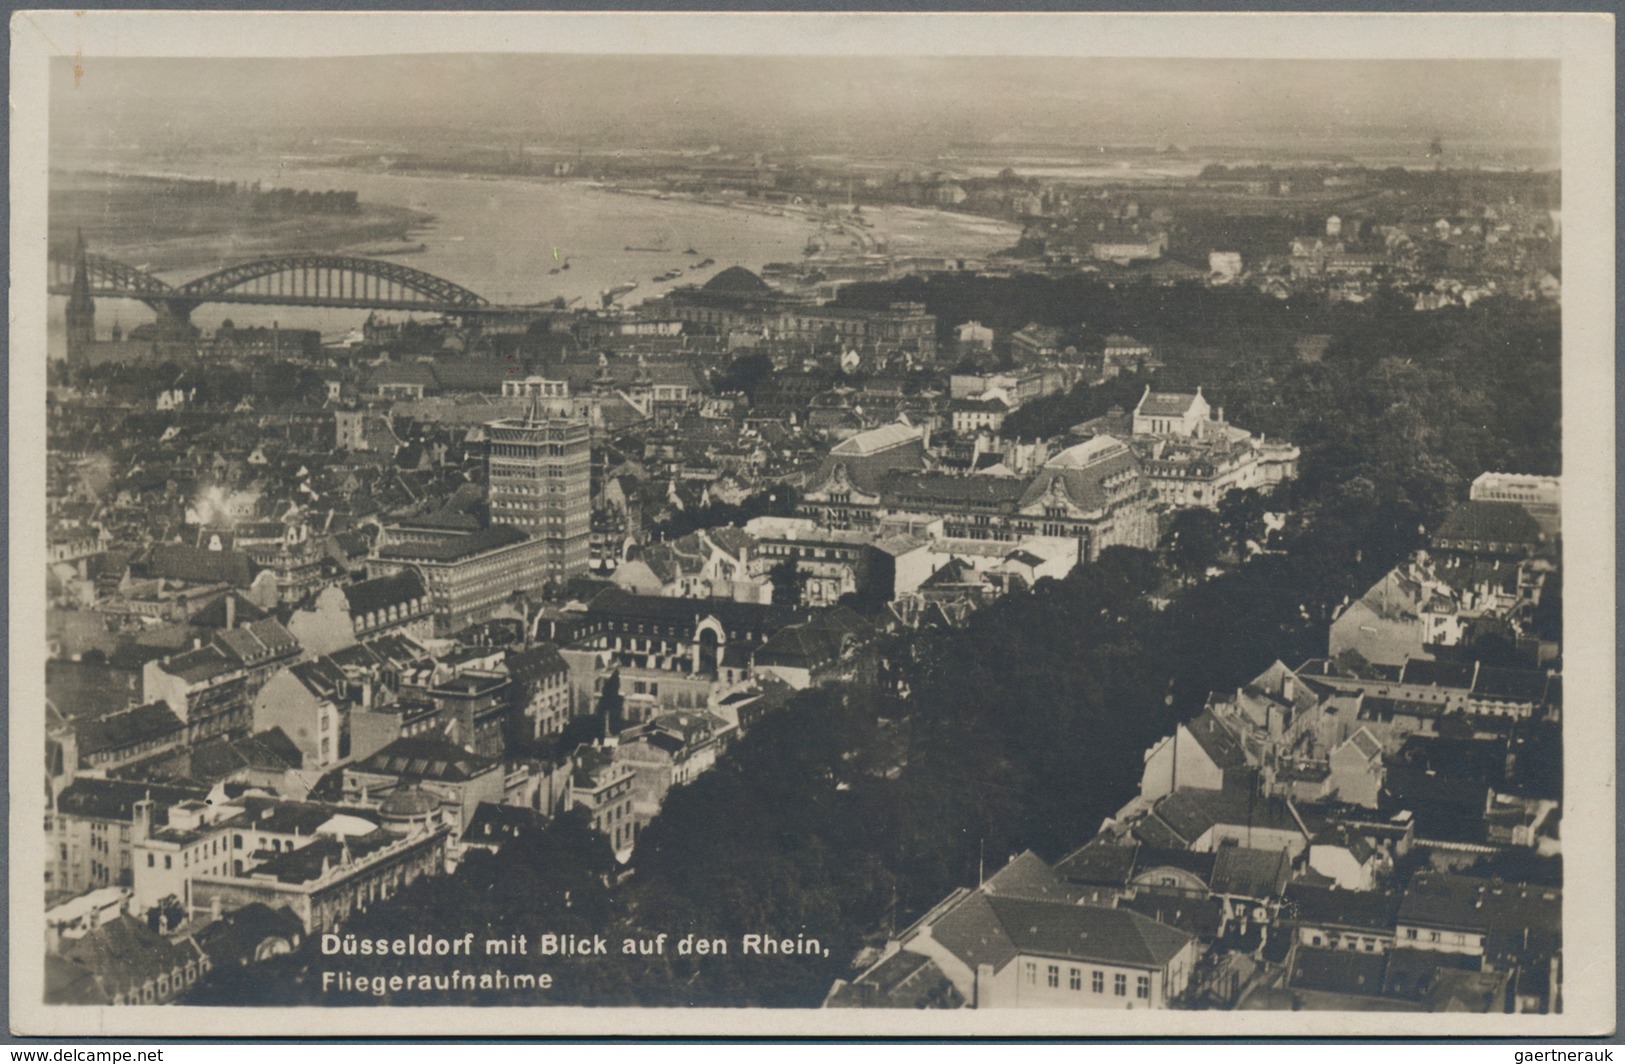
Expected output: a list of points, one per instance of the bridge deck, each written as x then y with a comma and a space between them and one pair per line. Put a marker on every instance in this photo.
337, 303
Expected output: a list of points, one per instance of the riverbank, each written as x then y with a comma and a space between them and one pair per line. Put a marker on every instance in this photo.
152, 222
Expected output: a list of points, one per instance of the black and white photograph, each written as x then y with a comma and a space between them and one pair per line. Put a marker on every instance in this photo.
811, 524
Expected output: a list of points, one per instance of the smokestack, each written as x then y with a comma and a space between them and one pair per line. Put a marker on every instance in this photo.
231, 611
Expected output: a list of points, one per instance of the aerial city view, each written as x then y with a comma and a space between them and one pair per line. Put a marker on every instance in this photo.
746, 531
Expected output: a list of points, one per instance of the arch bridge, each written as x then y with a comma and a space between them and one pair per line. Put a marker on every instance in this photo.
298, 280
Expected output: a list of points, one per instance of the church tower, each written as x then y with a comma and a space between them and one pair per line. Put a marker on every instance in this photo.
81, 314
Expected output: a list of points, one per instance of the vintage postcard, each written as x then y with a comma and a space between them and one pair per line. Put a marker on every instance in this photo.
811, 524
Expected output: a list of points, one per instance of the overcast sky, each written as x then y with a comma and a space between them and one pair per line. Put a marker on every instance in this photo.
588, 101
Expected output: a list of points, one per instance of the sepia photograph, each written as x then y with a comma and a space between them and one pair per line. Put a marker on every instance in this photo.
812, 524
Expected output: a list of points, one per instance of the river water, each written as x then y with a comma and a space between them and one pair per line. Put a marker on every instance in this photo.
511, 240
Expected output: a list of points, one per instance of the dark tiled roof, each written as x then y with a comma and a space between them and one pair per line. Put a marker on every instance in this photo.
870, 470
1154, 831
537, 663
355, 656
1413, 973
1194, 916
1192, 812
972, 932
152, 722
1451, 901
1511, 685
1366, 910
951, 573
214, 614
1250, 873
1152, 857
380, 593
1350, 840
1506, 523
1437, 673
1339, 971
205, 663
1086, 932
470, 375
1083, 483
498, 823
124, 953
320, 676
80, 689
1027, 876
1099, 862
403, 373
905, 980
1217, 741
1166, 404
196, 566
943, 489
309, 861
267, 750
613, 601
425, 757
115, 799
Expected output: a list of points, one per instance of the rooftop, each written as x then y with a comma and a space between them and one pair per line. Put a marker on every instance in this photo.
425, 757
456, 547
1505, 523
880, 439
989, 929
380, 593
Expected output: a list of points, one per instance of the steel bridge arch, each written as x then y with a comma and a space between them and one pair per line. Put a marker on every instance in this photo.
115, 274
434, 289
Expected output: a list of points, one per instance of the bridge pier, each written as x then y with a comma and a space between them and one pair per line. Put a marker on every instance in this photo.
174, 318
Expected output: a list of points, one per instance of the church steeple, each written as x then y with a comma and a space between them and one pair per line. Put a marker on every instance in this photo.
81, 312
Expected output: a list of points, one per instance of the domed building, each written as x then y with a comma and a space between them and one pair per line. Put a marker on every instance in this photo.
738, 281
738, 301
410, 807
735, 299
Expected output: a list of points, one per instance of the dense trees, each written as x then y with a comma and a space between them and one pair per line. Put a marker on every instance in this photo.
1053, 415
745, 374
1193, 542
1416, 404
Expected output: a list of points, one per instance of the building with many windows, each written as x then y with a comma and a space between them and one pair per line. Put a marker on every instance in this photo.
1094, 493
538, 475
1020, 941
470, 575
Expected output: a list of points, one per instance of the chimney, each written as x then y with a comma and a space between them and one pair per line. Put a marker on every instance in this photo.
141, 820
231, 611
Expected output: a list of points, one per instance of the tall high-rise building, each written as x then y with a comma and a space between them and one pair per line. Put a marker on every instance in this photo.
538, 468
81, 313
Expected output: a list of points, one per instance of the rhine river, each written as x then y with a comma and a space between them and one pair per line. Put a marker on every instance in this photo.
519, 241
